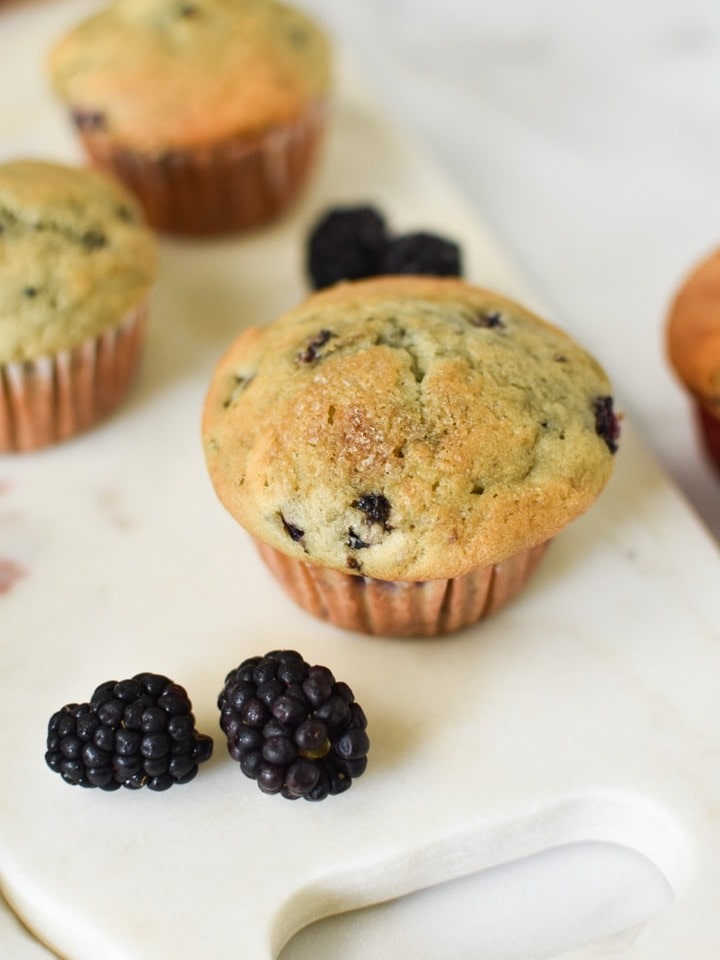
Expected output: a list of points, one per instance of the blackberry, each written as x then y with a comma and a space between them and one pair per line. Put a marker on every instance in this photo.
422, 253
347, 243
292, 727
133, 733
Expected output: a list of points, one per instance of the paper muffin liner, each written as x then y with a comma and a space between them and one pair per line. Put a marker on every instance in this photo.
55, 397
709, 430
423, 608
223, 188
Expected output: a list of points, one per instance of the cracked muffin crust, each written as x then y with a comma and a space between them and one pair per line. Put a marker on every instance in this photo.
76, 266
407, 429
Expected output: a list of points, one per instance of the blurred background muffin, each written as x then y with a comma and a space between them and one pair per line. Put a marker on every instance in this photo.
693, 346
211, 111
402, 449
76, 266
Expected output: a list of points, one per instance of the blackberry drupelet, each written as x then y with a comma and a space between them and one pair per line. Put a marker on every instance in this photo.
133, 733
293, 727
422, 253
347, 243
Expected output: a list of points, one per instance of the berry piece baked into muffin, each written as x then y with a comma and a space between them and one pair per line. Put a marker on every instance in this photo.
211, 111
693, 344
403, 448
76, 267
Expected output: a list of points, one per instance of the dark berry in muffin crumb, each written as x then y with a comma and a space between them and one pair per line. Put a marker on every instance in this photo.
607, 424
133, 733
355, 541
294, 532
347, 243
293, 727
311, 353
487, 319
376, 508
422, 253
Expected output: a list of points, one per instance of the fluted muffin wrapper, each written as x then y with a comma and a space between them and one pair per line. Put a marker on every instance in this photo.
221, 188
423, 608
708, 424
55, 397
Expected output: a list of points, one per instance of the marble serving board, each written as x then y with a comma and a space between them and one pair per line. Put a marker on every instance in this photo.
585, 711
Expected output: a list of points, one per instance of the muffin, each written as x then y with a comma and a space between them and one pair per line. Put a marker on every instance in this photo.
211, 111
76, 267
693, 347
402, 449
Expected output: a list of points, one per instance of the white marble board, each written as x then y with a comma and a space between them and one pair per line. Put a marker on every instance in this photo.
587, 710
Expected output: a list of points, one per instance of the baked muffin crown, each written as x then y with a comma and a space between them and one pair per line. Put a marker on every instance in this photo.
164, 74
75, 256
693, 332
406, 429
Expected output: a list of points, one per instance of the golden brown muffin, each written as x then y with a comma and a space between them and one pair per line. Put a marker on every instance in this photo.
212, 111
406, 430
693, 345
76, 266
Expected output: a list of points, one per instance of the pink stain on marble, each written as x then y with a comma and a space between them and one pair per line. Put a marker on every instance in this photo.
110, 503
10, 573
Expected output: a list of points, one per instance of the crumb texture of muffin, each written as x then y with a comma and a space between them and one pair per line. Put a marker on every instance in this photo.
407, 429
76, 266
157, 75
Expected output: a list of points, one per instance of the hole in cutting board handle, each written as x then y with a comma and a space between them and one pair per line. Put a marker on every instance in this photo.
532, 908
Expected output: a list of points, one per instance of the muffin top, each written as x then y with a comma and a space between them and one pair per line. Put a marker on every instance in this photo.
75, 257
407, 428
693, 332
163, 74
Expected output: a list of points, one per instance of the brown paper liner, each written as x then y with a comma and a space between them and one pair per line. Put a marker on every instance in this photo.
227, 187
55, 397
709, 429
424, 608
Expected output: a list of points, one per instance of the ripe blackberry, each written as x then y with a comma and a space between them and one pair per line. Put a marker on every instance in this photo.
347, 243
422, 253
133, 733
293, 727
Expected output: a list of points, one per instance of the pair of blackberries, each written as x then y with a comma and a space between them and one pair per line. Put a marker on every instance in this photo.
293, 728
352, 243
